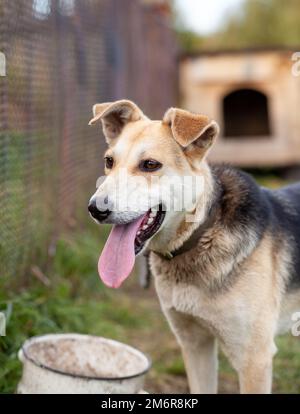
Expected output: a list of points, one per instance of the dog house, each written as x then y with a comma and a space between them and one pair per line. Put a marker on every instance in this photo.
255, 97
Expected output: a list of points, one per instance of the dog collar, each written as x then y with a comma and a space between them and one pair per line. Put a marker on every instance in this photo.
193, 240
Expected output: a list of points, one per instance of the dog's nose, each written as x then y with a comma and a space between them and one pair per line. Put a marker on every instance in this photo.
98, 214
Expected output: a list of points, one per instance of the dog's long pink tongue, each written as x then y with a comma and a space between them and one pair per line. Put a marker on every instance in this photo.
118, 256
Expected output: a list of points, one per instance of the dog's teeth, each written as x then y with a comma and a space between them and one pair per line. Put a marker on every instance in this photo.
150, 220
145, 227
138, 233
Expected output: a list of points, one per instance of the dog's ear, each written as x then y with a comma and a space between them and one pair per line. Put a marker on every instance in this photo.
193, 132
115, 115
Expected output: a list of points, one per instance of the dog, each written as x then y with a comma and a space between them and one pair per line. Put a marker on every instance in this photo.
229, 277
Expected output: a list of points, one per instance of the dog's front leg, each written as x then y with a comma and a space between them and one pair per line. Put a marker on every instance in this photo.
201, 366
254, 361
199, 351
255, 376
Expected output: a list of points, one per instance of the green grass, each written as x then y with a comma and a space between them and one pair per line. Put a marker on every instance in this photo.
38, 313
75, 301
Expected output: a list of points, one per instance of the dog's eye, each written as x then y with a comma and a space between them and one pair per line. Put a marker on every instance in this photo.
109, 162
150, 165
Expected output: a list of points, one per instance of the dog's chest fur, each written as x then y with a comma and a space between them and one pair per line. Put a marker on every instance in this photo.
188, 298
205, 283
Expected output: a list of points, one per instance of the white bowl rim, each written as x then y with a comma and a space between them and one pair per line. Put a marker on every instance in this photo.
42, 338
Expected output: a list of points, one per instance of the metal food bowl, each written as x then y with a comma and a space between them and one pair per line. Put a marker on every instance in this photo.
81, 364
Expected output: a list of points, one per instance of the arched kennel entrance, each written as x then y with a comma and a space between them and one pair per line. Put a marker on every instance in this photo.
246, 114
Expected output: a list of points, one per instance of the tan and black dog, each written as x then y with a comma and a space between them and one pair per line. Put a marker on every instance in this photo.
230, 276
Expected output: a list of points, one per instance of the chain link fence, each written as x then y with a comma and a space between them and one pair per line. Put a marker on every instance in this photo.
62, 56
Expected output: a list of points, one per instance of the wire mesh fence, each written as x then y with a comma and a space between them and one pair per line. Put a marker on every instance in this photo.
63, 56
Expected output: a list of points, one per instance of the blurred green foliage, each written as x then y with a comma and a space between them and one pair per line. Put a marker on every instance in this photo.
256, 23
